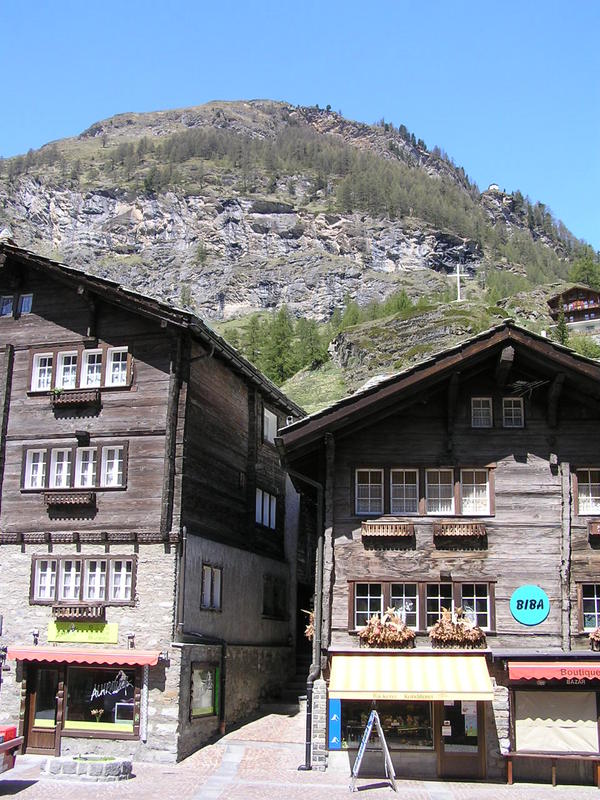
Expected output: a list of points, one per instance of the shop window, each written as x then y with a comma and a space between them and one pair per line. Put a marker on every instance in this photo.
66, 376
556, 721
274, 597
475, 602
404, 598
84, 475
210, 592
512, 412
406, 725
404, 491
481, 412
588, 491
266, 509
100, 700
369, 491
438, 597
41, 376
474, 491
88, 579
204, 691
439, 491
368, 600
590, 606
269, 425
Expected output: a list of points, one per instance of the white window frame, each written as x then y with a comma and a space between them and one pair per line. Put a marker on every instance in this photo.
60, 383
85, 382
36, 384
211, 588
483, 508
6, 305
373, 599
266, 509
40, 482
403, 597
74, 584
595, 600
270, 425
66, 473
50, 574
478, 404
475, 615
20, 303
375, 504
91, 468
123, 593
430, 498
439, 600
104, 482
509, 418
398, 505
94, 586
588, 502
110, 360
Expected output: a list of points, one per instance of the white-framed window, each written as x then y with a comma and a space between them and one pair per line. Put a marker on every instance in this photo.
439, 491
590, 610
404, 491
41, 376
474, 491
369, 491
91, 372
95, 579
60, 468
112, 466
512, 412
368, 600
405, 599
475, 602
86, 467
269, 425
266, 509
35, 469
588, 491
70, 579
121, 573
481, 412
438, 596
116, 370
210, 591
6, 305
25, 304
44, 587
66, 373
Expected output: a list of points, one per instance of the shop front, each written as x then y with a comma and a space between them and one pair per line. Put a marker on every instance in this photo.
431, 707
81, 693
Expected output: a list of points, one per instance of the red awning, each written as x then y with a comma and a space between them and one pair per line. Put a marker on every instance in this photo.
72, 655
549, 670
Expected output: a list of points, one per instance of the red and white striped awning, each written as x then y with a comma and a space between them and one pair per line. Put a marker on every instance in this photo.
83, 655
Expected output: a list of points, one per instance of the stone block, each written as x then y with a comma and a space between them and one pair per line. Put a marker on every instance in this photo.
69, 767
96, 768
55, 767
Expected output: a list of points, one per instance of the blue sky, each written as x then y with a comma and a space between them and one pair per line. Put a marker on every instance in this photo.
511, 90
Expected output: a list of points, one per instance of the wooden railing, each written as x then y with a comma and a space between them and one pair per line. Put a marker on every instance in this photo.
79, 611
387, 527
462, 528
66, 398
70, 498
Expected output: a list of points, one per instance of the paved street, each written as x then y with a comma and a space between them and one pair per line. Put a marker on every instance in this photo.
259, 761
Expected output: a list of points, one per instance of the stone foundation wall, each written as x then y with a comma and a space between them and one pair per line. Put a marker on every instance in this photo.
319, 725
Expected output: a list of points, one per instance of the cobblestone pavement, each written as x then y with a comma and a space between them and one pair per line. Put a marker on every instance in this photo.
259, 761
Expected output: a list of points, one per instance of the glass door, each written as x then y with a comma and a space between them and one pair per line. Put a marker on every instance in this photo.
42, 690
460, 742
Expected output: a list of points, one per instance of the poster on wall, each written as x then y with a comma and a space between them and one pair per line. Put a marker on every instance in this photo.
204, 695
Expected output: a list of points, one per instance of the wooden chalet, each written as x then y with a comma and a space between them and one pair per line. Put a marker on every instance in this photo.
466, 489
580, 306
148, 535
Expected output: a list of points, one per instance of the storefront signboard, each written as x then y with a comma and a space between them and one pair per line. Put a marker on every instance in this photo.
84, 632
529, 605
335, 724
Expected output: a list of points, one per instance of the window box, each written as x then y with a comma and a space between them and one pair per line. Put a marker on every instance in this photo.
52, 499
593, 528
79, 611
460, 529
71, 398
387, 527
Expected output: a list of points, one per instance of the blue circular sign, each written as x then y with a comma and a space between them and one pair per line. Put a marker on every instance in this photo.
529, 605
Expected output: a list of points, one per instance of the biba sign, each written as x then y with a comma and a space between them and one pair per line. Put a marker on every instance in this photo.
529, 605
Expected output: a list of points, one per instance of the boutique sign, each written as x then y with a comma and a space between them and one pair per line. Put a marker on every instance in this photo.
529, 605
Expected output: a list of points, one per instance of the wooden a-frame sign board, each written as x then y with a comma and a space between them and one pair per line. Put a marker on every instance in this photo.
389, 767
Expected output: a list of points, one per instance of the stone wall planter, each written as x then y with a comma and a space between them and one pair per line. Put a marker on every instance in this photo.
88, 769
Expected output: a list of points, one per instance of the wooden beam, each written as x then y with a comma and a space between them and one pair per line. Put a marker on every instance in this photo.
505, 364
553, 397
452, 397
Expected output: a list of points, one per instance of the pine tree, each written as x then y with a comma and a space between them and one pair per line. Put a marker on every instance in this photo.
310, 349
278, 360
252, 340
561, 331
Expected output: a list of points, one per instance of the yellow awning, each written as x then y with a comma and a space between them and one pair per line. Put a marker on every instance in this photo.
418, 677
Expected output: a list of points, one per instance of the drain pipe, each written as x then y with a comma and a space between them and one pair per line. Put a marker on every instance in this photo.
315, 668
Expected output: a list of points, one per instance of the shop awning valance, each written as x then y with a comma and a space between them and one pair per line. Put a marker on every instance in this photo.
418, 677
81, 655
549, 670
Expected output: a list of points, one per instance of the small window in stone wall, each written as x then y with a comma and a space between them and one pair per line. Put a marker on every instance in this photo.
274, 597
204, 690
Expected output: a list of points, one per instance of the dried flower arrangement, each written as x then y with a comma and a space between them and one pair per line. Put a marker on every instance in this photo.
309, 631
387, 631
97, 713
457, 632
594, 638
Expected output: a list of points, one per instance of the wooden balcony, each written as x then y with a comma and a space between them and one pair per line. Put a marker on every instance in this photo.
53, 499
77, 612
460, 528
387, 527
71, 398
